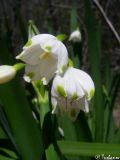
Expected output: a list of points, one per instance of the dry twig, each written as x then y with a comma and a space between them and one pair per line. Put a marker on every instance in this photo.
107, 20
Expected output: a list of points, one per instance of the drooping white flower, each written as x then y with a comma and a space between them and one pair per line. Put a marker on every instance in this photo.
75, 36
44, 55
7, 73
72, 92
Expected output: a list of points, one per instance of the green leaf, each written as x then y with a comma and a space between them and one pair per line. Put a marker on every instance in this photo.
94, 47
5, 158
110, 127
22, 123
88, 149
73, 20
51, 153
9, 152
2, 134
6, 127
73, 131
61, 37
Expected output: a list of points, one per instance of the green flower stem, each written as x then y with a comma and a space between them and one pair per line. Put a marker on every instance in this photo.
43, 103
89, 149
19, 66
44, 109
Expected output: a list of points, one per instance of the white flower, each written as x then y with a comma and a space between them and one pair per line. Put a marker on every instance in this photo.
72, 92
75, 36
44, 56
7, 73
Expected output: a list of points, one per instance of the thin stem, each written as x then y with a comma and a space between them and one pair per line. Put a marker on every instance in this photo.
107, 20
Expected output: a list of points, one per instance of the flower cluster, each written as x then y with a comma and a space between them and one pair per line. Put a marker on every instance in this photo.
47, 57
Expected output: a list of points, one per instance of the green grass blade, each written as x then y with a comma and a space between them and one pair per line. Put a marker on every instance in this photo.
2, 134
73, 22
88, 149
114, 92
51, 153
6, 127
10, 153
5, 158
94, 54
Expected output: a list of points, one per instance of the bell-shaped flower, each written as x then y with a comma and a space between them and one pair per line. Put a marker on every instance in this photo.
7, 73
44, 56
75, 36
72, 92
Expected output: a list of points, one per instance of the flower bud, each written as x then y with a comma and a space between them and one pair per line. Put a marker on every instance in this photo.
75, 36
7, 73
72, 92
44, 56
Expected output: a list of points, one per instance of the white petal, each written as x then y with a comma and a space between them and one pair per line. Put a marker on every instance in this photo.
54, 105
85, 81
31, 55
62, 57
82, 103
45, 69
27, 78
62, 103
40, 39
68, 83
86, 106
57, 81
73, 110
59, 50
74, 107
71, 84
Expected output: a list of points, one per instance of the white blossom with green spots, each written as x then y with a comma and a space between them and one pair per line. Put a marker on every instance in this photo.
72, 92
44, 56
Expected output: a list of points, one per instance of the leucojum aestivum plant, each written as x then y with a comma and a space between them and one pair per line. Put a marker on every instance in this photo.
63, 96
45, 57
